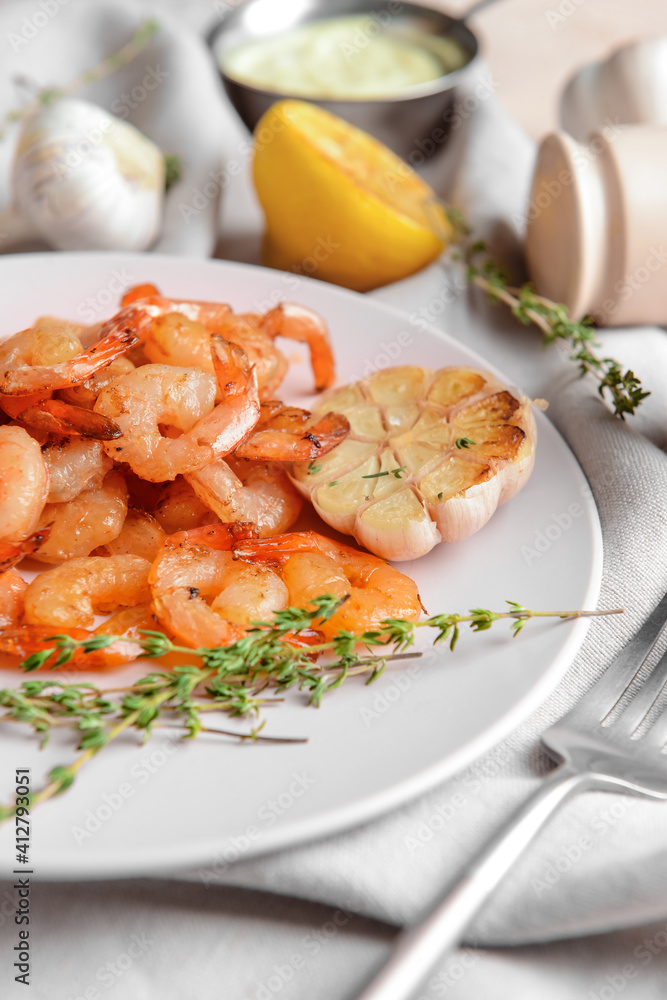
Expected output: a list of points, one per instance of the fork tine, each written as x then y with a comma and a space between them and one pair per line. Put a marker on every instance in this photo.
656, 737
622, 670
644, 700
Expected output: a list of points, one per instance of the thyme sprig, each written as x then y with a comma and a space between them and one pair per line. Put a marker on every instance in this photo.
396, 473
173, 170
623, 387
237, 680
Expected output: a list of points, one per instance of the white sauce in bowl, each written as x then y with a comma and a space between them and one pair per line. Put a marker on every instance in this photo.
342, 58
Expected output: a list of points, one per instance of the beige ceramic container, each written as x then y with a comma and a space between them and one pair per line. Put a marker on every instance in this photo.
629, 87
597, 224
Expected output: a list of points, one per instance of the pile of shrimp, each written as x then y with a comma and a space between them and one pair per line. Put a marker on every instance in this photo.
142, 462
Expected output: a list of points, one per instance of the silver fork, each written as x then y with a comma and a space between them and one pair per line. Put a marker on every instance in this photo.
592, 757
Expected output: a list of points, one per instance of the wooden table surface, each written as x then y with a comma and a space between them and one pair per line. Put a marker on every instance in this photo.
534, 46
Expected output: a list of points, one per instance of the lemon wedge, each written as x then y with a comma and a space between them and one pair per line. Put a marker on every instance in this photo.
339, 205
429, 458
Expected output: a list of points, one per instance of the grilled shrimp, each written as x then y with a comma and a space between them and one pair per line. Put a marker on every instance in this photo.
24, 484
312, 565
193, 565
22, 641
74, 465
69, 596
12, 553
42, 345
178, 508
141, 535
24, 371
296, 322
181, 401
254, 333
129, 622
12, 589
289, 434
257, 492
92, 518
60, 419
85, 394
174, 339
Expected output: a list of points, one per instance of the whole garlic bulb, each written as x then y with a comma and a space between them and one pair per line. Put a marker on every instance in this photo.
429, 458
86, 180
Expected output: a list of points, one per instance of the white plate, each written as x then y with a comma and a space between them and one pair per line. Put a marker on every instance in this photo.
167, 806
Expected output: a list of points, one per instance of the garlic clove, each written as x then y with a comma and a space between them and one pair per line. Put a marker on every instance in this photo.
366, 422
339, 500
401, 417
397, 385
86, 180
348, 455
429, 458
453, 477
465, 513
454, 385
398, 526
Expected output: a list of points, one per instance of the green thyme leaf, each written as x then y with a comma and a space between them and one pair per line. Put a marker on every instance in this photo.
622, 388
236, 680
389, 472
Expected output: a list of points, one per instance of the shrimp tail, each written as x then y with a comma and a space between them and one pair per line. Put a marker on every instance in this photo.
53, 416
13, 406
280, 547
24, 640
240, 405
235, 375
287, 434
12, 553
298, 323
118, 337
138, 292
216, 536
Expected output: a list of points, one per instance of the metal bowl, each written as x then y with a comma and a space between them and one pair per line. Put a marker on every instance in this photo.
414, 122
